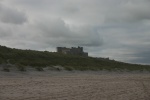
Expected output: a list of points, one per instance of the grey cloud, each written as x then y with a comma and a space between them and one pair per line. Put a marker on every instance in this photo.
10, 15
59, 34
53, 28
141, 56
4, 32
130, 11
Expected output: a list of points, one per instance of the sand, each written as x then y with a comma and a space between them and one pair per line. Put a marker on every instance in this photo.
74, 86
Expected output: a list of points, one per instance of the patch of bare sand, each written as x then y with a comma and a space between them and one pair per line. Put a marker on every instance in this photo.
76, 86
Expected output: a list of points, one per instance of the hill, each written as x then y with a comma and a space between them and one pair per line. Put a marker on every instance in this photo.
41, 59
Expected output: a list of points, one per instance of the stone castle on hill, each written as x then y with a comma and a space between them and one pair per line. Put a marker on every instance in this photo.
72, 51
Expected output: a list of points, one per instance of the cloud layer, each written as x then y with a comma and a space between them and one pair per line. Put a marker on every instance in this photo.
11, 16
118, 29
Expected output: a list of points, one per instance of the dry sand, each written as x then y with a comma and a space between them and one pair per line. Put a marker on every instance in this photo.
74, 86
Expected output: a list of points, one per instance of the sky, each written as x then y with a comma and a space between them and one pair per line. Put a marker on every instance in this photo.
118, 29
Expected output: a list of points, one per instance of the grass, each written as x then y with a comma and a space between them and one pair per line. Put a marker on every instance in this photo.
39, 68
6, 69
21, 67
23, 58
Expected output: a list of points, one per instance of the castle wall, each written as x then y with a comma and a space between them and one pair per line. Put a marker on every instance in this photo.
72, 51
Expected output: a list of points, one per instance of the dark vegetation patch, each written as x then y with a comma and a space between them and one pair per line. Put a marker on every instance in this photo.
6, 69
39, 68
21, 67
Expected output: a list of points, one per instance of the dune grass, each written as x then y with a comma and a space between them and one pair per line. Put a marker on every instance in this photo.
41, 59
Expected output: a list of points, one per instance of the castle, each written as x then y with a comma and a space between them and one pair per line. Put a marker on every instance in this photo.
72, 51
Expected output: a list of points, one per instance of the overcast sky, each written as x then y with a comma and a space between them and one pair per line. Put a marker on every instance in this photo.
118, 29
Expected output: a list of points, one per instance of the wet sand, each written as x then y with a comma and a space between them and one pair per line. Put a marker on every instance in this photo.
75, 86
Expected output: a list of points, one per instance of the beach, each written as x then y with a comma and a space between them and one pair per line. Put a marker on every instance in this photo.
74, 86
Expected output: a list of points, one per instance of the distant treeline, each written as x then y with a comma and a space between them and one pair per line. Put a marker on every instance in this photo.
41, 59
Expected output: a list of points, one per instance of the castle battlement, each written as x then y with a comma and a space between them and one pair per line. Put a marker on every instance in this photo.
72, 51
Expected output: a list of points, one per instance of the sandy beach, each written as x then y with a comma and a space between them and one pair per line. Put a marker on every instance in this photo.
74, 86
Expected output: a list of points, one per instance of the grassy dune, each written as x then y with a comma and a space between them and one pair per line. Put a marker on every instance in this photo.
41, 59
